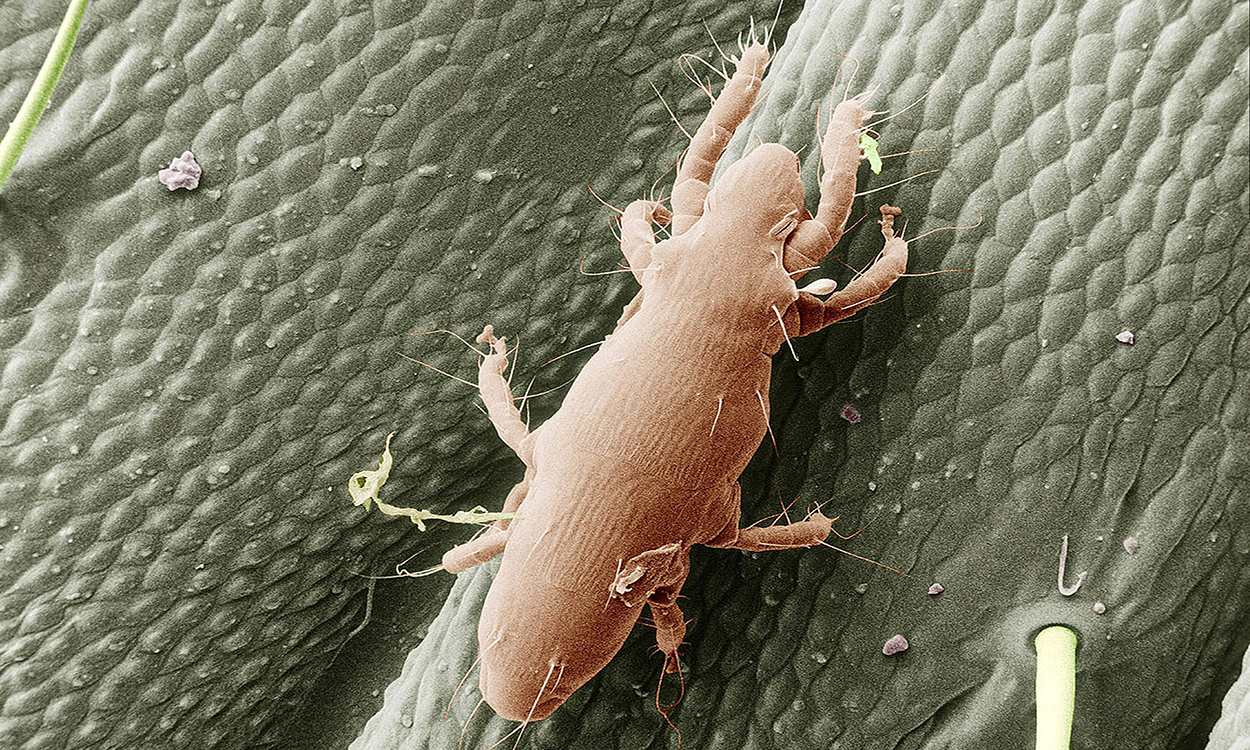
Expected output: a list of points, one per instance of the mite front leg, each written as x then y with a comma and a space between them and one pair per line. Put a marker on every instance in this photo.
728, 111
840, 154
637, 235
497, 395
637, 240
814, 313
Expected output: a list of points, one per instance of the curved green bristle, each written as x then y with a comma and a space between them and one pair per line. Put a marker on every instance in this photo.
41, 92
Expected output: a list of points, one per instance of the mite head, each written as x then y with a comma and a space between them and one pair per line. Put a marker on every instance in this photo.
758, 192
737, 245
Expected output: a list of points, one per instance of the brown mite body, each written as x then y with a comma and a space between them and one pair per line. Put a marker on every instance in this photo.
643, 457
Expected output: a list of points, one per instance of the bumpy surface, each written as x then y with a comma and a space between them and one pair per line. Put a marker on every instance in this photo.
1106, 146
189, 378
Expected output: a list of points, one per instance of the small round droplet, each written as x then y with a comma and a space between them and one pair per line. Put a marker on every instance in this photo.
1100, 608
896, 645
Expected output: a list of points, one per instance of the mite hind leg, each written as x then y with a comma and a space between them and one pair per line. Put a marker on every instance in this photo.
670, 626
809, 532
728, 111
497, 395
475, 551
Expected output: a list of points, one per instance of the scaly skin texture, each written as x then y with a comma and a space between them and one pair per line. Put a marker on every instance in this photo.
187, 379
999, 410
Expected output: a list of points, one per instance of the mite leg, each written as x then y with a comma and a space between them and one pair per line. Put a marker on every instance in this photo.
840, 154
475, 551
637, 236
637, 239
814, 313
670, 627
639, 577
498, 397
709, 142
806, 533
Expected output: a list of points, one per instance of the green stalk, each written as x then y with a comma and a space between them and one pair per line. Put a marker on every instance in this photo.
1056, 687
41, 92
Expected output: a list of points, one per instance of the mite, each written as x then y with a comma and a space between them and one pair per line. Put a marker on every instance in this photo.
642, 460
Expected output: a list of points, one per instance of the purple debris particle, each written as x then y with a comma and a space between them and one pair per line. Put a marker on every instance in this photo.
1131, 544
896, 645
851, 414
182, 172
936, 590
1125, 337
1100, 608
